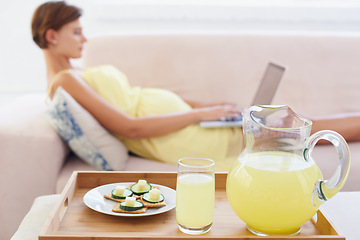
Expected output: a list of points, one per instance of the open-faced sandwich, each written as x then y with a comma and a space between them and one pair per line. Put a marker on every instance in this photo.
141, 187
153, 198
130, 205
119, 194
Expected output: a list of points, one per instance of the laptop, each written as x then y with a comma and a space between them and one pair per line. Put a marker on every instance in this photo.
264, 96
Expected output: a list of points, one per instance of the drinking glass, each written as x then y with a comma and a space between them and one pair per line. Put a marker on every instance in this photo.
195, 195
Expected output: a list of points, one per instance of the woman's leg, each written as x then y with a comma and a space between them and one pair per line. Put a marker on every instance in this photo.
347, 124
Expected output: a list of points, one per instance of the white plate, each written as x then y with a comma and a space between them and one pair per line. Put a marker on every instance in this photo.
95, 200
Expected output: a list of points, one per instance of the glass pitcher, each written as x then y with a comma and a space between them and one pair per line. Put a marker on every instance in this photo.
275, 186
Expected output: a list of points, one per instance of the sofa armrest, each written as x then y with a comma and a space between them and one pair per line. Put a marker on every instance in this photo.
35, 219
31, 154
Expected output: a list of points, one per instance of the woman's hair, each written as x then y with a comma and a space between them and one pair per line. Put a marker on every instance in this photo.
51, 15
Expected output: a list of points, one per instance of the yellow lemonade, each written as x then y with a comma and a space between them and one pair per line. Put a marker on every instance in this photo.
195, 199
272, 191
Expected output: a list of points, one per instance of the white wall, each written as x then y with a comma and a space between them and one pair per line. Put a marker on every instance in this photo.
21, 62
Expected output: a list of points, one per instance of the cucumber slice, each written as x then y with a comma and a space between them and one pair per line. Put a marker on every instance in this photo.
134, 189
138, 205
127, 193
146, 197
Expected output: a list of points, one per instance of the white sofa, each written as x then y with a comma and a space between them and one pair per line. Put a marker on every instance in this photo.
322, 77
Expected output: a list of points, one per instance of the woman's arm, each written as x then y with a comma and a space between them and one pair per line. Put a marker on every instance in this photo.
196, 104
117, 121
347, 124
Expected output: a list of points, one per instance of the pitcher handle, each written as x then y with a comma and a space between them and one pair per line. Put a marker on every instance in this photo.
326, 189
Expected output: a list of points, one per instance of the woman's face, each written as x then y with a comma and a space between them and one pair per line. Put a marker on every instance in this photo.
70, 40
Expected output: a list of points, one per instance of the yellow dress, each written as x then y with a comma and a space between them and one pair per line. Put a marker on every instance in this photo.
223, 145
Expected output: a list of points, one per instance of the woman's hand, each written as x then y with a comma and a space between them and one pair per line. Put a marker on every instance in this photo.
216, 112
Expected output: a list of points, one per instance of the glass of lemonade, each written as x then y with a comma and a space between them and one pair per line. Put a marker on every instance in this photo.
195, 195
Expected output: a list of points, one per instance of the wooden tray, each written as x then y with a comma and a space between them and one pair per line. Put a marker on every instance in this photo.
71, 219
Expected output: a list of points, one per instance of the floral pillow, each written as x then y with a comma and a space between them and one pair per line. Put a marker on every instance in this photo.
84, 134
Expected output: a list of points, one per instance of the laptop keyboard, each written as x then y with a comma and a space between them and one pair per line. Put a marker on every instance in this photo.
232, 119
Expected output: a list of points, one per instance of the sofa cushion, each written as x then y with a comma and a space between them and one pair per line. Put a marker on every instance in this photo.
84, 134
213, 67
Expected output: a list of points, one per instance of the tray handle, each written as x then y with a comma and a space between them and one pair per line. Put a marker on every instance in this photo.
64, 207
59, 210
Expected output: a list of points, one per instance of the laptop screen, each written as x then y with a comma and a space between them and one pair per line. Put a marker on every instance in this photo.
268, 85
